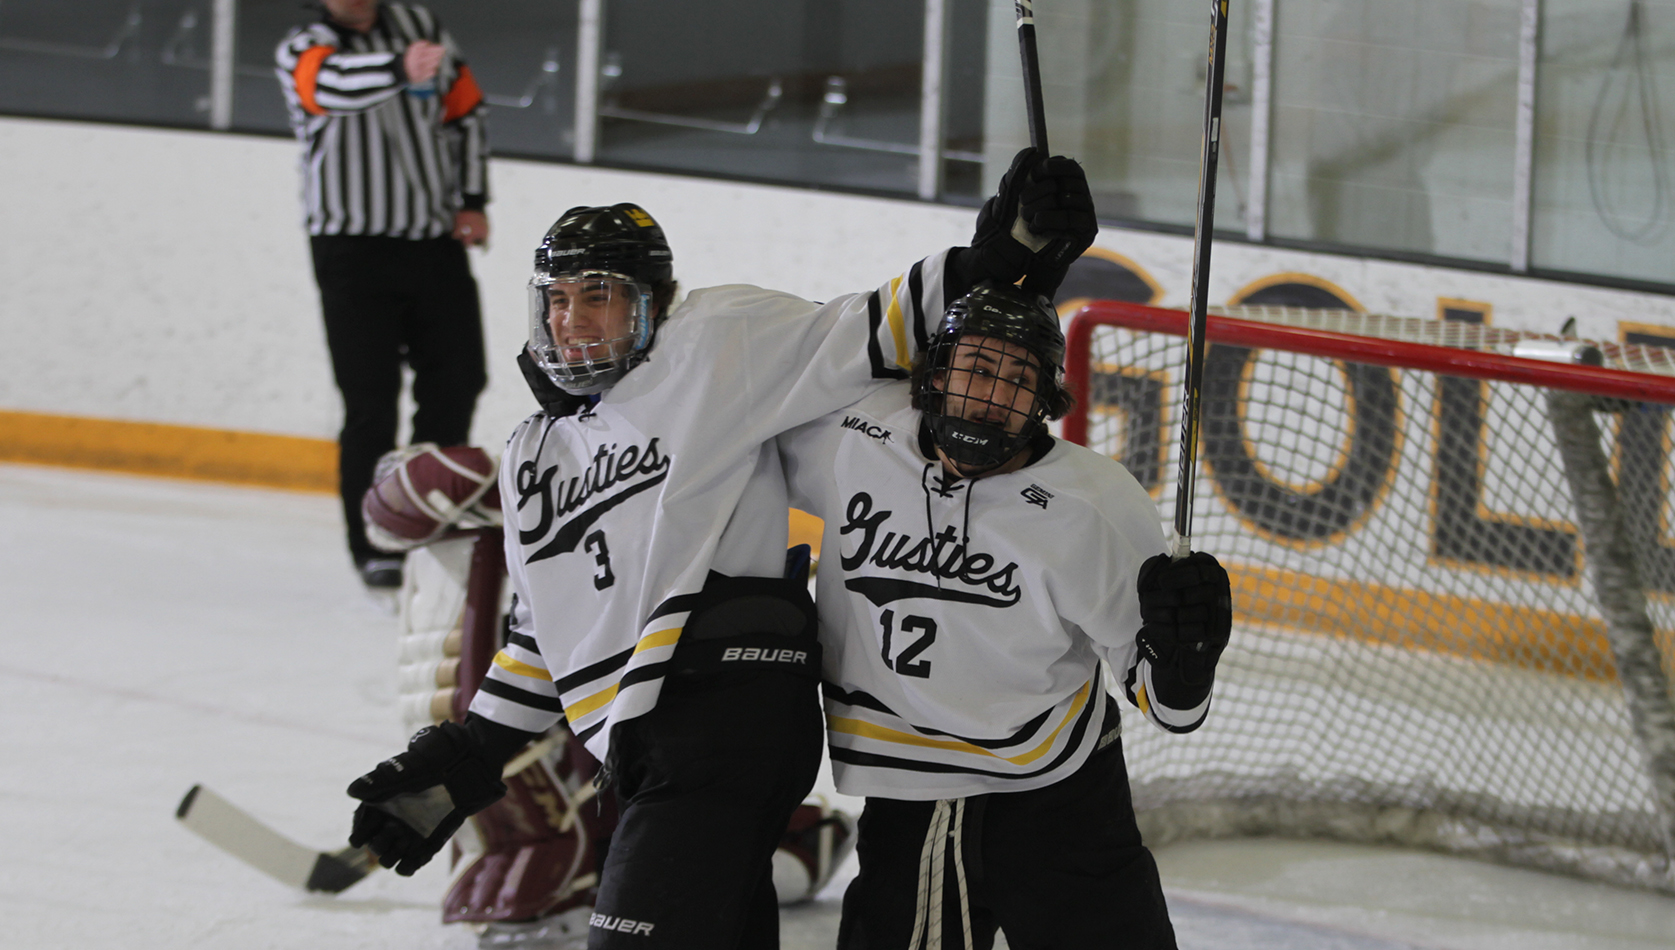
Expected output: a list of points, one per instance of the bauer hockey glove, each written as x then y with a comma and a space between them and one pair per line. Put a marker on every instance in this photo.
1186, 614
413, 803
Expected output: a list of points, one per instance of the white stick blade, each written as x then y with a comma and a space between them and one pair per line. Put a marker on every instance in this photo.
231, 829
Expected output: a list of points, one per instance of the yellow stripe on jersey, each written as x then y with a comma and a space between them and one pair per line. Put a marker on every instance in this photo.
898, 328
521, 668
661, 638
867, 730
579, 709
650, 641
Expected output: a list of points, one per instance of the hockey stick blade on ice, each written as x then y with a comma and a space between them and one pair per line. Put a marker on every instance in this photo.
234, 831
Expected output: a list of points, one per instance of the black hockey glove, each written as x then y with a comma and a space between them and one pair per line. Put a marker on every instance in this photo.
994, 253
1186, 614
1051, 198
1055, 204
413, 803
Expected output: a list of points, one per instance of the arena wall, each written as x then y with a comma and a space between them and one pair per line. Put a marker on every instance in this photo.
162, 277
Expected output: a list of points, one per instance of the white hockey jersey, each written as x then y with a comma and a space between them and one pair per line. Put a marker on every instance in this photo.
964, 620
615, 517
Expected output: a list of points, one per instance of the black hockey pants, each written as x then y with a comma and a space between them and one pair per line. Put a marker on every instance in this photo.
707, 782
1056, 868
388, 301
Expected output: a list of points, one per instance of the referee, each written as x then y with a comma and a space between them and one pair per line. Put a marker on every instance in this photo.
394, 182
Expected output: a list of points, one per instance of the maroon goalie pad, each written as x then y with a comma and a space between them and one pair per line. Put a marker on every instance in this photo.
422, 492
816, 841
540, 845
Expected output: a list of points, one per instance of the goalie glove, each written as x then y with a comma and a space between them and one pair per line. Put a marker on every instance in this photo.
1186, 615
412, 803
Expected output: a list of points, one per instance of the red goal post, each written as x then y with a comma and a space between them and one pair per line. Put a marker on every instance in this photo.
1443, 636
1234, 326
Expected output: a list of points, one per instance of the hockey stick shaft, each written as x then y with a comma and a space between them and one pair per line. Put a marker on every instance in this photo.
1032, 75
1191, 410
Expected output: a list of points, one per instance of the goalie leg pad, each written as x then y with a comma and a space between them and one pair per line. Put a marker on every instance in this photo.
540, 854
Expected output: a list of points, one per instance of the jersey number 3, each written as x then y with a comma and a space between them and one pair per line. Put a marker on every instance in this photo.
905, 662
595, 544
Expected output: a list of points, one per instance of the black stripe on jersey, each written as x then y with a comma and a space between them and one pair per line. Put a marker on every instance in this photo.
641, 674
522, 697
593, 671
875, 352
916, 289
864, 700
592, 730
523, 641
675, 604
874, 760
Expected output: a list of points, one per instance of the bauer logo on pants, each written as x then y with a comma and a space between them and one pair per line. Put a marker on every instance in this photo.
620, 924
765, 655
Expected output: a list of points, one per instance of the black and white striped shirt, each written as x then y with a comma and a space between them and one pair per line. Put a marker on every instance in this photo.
381, 155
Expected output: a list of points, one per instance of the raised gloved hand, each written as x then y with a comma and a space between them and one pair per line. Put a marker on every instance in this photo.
1056, 206
413, 803
995, 253
1186, 614
1040, 219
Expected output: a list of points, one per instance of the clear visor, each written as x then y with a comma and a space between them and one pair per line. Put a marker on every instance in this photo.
584, 326
993, 382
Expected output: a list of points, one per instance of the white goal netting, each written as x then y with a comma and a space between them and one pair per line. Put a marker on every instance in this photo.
1420, 655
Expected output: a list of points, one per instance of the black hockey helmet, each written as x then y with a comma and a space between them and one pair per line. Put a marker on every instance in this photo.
621, 239
981, 405
611, 261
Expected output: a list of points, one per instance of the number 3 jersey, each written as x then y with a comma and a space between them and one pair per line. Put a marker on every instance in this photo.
964, 620
617, 515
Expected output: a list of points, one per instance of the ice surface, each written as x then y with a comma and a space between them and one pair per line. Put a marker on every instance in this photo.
155, 634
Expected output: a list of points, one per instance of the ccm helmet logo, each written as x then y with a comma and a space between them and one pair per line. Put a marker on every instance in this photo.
974, 440
766, 656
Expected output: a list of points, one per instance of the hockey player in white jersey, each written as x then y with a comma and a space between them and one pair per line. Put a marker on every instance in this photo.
645, 540
975, 575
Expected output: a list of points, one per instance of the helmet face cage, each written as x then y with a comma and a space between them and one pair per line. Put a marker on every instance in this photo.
592, 299
993, 373
587, 329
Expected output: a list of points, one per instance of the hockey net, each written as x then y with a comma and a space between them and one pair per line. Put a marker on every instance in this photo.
1420, 652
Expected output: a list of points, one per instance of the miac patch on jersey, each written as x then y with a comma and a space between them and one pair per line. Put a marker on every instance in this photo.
867, 429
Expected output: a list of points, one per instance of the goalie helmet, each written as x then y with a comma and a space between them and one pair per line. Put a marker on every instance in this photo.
603, 279
992, 376
422, 492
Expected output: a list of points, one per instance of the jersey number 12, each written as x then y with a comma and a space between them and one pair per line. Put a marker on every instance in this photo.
905, 663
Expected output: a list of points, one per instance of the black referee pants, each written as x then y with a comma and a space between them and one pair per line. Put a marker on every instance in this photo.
1056, 868
388, 301
707, 782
